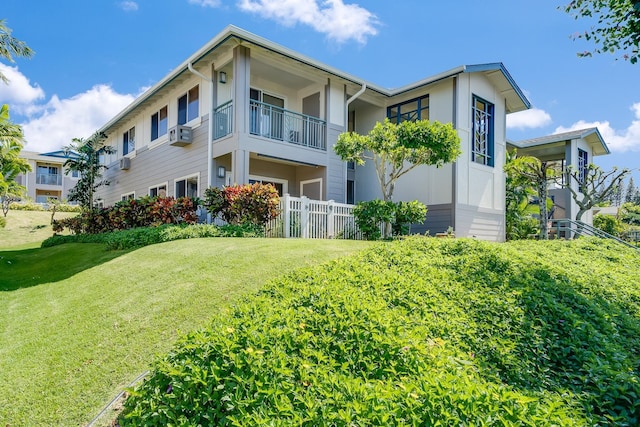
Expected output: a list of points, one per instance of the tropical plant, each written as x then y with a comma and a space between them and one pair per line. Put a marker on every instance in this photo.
396, 149
519, 193
11, 165
243, 204
86, 161
11, 47
617, 29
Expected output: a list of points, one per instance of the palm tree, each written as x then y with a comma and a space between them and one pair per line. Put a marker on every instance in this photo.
11, 47
11, 165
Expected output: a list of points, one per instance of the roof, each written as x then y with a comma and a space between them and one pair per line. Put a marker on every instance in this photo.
495, 72
591, 135
60, 154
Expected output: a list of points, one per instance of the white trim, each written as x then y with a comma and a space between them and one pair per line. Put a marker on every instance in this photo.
166, 188
284, 182
197, 175
310, 181
125, 196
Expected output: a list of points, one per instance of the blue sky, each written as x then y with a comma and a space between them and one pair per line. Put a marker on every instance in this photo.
93, 57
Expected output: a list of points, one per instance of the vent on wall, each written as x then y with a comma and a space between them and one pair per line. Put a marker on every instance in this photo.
180, 136
125, 163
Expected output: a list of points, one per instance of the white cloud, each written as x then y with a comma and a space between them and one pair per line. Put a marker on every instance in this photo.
340, 22
206, 3
618, 141
19, 92
528, 119
129, 6
60, 120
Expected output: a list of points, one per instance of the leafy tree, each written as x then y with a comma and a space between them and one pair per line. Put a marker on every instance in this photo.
87, 163
11, 47
537, 174
594, 186
617, 29
519, 192
11, 165
632, 192
396, 149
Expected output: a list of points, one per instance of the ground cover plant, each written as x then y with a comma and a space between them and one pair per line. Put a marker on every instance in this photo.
418, 332
79, 323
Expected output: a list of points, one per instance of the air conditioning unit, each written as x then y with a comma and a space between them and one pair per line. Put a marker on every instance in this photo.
125, 163
180, 136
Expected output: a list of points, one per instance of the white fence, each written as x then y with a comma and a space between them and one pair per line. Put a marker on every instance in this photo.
313, 219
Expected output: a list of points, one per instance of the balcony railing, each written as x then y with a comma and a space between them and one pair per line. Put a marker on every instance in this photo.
223, 116
277, 123
48, 179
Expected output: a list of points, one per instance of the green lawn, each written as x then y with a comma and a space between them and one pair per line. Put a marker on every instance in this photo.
27, 229
78, 323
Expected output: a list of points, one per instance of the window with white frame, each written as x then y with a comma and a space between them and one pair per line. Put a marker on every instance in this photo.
129, 141
128, 196
583, 164
158, 191
159, 123
412, 110
188, 105
281, 185
482, 132
187, 187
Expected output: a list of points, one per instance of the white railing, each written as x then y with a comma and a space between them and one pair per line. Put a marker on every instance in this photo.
314, 219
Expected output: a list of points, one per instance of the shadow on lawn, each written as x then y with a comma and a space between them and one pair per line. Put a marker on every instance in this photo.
30, 267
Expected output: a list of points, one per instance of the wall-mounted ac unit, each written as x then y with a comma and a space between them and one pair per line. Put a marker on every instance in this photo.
125, 163
180, 136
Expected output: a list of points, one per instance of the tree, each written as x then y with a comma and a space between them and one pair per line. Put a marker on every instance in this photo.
11, 165
617, 29
519, 192
11, 47
538, 174
632, 192
594, 186
87, 163
396, 149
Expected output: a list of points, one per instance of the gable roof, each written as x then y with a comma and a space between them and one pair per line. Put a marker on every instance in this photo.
591, 135
495, 72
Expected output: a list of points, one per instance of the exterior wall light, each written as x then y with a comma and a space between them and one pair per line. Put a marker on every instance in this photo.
221, 171
223, 77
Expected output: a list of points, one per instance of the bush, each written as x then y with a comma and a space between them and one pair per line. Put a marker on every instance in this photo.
3, 222
418, 332
26, 206
243, 204
372, 214
608, 224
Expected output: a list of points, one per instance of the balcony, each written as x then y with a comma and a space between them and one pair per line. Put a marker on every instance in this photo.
274, 123
48, 179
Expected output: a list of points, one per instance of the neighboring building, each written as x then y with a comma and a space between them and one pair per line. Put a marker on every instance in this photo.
576, 149
276, 115
47, 179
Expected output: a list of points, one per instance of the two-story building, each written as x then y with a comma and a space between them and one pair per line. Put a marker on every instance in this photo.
47, 179
243, 109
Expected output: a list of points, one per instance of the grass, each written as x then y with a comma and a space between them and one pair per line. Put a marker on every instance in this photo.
78, 323
27, 229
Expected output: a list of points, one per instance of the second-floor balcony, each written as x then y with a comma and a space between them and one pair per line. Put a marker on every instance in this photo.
275, 123
48, 179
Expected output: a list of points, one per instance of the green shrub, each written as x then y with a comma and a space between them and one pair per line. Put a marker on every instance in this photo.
608, 224
418, 332
370, 216
243, 204
25, 206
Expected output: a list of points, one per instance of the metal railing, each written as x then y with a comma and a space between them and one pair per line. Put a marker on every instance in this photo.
48, 179
277, 123
569, 228
223, 120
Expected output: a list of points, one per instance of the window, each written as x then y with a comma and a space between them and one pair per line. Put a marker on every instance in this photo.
351, 165
187, 187
75, 174
158, 191
351, 191
129, 141
281, 185
482, 132
415, 109
583, 164
188, 106
159, 123
128, 196
267, 115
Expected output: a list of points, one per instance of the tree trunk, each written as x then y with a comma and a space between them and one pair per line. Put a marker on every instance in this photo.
542, 204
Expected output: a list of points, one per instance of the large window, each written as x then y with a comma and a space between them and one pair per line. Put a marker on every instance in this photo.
482, 132
159, 123
129, 141
188, 105
583, 163
187, 187
415, 109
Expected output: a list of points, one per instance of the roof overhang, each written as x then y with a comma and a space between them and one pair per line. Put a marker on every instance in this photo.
591, 136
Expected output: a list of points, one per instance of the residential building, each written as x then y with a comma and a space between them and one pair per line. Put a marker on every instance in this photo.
47, 179
243, 109
575, 149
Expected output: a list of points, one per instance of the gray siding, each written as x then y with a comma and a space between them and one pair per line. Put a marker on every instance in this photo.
157, 165
439, 218
484, 224
337, 169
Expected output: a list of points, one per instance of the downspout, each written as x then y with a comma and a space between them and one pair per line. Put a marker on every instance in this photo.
210, 138
353, 98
